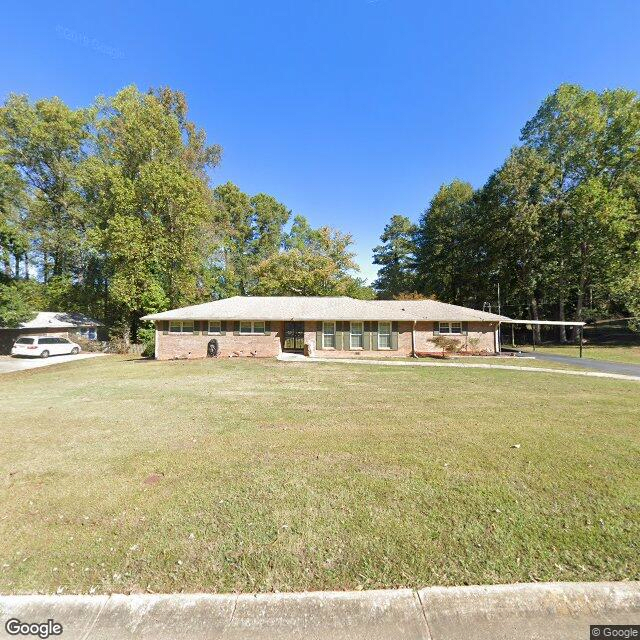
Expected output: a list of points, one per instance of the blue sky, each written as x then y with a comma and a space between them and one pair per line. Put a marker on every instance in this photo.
348, 111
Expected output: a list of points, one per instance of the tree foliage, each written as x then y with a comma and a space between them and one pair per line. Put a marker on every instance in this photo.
557, 226
108, 210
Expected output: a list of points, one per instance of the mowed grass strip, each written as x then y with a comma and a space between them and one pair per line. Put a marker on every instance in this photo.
241, 475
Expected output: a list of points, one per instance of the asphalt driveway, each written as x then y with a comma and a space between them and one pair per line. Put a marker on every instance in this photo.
9, 364
587, 363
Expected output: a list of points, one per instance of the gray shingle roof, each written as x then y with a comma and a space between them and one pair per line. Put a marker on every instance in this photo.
322, 308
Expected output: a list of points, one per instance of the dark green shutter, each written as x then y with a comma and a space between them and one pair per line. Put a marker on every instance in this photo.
394, 336
267, 328
318, 334
196, 327
165, 326
338, 335
436, 328
223, 327
465, 328
236, 327
346, 335
366, 337
374, 336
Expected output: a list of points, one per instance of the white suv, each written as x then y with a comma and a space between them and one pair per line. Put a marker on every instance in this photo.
43, 346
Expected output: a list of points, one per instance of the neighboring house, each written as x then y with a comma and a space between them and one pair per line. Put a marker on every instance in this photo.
54, 323
337, 327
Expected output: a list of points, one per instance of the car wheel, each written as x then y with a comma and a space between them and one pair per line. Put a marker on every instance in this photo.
75, 351
44, 354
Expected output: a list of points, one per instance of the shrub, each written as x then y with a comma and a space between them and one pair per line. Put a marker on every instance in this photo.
147, 336
447, 344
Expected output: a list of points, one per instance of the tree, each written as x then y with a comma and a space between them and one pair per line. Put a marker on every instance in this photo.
396, 258
441, 243
45, 142
315, 262
18, 302
151, 205
592, 140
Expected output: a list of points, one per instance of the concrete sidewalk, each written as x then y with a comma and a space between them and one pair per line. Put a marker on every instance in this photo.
293, 357
552, 611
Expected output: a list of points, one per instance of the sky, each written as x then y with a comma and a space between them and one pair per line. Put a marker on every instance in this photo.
347, 111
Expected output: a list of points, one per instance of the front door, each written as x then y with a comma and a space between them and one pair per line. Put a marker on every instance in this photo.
293, 339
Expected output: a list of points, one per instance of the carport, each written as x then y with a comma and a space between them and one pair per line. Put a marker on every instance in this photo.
533, 323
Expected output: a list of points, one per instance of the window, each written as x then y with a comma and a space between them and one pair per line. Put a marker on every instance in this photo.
384, 335
215, 327
356, 337
88, 332
181, 326
24, 341
249, 327
453, 328
62, 341
328, 335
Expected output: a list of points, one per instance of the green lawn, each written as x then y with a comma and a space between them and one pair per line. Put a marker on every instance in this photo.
626, 354
128, 475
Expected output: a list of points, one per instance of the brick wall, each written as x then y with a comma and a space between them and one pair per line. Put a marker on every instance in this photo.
404, 344
484, 332
178, 346
186, 345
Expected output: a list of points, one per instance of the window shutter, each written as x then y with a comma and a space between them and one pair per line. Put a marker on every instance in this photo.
267, 328
318, 334
366, 337
346, 335
223, 327
394, 336
465, 328
338, 335
374, 336
236, 327
196, 327
165, 327
436, 328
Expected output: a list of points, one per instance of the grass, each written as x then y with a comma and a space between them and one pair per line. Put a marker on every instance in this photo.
611, 340
129, 475
628, 354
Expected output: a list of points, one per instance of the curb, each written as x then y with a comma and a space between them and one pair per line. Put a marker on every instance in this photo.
543, 611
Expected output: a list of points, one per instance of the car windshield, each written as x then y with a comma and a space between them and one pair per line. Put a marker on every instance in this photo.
24, 341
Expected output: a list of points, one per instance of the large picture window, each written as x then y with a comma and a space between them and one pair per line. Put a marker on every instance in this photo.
384, 335
215, 327
181, 326
248, 327
451, 328
356, 336
328, 335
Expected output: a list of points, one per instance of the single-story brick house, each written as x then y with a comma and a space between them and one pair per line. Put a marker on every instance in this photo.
337, 327
53, 323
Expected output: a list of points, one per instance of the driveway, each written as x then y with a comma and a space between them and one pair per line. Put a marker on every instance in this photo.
9, 364
587, 363
390, 362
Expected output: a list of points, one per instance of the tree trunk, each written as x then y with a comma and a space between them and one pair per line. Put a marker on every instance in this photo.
534, 316
562, 330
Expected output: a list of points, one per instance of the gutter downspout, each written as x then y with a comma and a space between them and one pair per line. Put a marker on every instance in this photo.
413, 340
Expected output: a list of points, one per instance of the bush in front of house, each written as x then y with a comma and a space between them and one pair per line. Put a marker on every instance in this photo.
447, 344
147, 336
